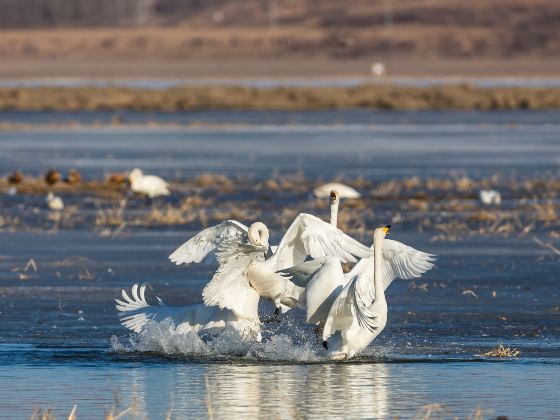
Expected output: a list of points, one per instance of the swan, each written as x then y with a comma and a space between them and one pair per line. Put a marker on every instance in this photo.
135, 313
54, 202
344, 191
149, 185
323, 278
360, 309
201, 247
334, 201
244, 265
489, 197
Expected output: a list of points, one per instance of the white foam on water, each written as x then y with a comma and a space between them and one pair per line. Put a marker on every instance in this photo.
292, 343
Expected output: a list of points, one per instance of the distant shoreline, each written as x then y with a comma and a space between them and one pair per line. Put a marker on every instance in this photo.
380, 97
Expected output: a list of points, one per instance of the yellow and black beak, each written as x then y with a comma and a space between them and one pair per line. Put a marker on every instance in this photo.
333, 194
386, 229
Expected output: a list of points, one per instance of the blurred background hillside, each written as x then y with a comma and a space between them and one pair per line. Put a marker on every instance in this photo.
190, 38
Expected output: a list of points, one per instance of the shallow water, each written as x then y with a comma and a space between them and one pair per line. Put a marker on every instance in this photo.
61, 342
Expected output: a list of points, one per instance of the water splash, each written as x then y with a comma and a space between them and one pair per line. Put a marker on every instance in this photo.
281, 342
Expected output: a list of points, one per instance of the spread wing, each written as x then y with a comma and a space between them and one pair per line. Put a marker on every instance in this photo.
310, 236
230, 288
350, 304
200, 246
323, 288
399, 261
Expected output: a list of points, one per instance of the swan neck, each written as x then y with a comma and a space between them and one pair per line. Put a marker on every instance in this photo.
378, 269
334, 214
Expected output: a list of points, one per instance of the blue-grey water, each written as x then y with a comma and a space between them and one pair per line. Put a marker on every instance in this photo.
61, 343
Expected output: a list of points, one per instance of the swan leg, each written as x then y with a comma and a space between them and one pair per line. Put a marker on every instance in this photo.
275, 317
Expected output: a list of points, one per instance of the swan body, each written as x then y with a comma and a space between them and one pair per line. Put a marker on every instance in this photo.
135, 313
344, 191
323, 277
54, 202
359, 312
489, 197
150, 185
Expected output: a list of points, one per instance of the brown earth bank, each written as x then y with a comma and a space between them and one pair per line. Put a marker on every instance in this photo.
285, 98
281, 28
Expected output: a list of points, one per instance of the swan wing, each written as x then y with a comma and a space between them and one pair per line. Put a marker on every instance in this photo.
230, 287
351, 305
310, 236
301, 274
399, 261
323, 288
204, 243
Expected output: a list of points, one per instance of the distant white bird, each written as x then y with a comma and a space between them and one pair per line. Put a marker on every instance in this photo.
54, 202
360, 309
136, 313
344, 191
149, 185
489, 197
378, 69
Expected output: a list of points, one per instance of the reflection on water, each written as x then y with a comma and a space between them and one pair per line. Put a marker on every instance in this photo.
283, 391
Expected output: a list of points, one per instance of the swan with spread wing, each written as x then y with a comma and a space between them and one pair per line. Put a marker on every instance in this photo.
136, 313
306, 236
359, 311
202, 246
323, 278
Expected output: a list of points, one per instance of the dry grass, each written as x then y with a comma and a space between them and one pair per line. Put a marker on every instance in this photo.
502, 351
447, 207
284, 98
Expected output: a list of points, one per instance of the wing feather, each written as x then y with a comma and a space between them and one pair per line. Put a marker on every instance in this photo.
200, 246
230, 287
399, 261
310, 236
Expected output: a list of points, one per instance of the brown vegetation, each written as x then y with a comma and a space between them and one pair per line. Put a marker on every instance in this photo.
292, 98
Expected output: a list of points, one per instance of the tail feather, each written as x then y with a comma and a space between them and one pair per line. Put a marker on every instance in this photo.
136, 321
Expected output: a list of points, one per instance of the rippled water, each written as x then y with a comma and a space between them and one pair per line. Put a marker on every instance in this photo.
61, 342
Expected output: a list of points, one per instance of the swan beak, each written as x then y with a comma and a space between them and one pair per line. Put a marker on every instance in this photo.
386, 229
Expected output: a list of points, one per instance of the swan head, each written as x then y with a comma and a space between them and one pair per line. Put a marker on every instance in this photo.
258, 234
334, 198
381, 232
135, 175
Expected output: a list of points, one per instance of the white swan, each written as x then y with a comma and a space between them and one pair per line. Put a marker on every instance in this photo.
334, 201
344, 191
202, 246
54, 202
323, 278
135, 313
490, 197
150, 185
244, 265
360, 309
